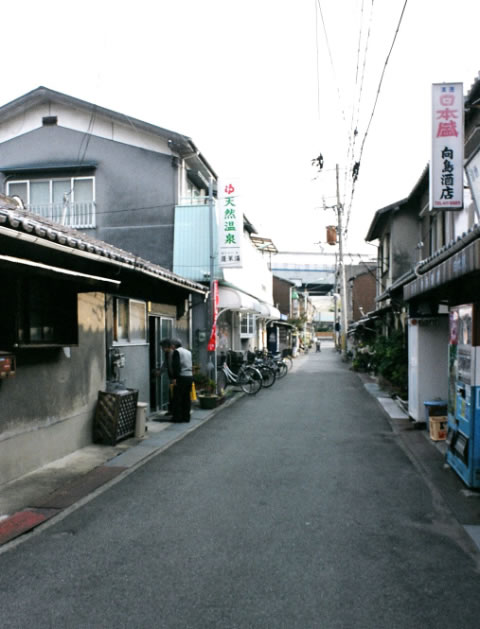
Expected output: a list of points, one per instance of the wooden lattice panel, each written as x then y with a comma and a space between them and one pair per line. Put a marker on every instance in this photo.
115, 416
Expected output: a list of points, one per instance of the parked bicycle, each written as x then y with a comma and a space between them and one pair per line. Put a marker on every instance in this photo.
278, 363
259, 361
246, 377
287, 358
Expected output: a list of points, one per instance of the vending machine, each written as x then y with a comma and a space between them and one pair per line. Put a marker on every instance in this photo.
463, 434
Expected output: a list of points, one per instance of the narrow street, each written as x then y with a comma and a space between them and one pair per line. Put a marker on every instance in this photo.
296, 508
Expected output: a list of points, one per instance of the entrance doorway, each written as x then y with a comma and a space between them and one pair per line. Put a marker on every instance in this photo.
158, 328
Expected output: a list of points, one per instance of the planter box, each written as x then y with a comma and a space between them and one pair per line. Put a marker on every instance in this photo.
208, 401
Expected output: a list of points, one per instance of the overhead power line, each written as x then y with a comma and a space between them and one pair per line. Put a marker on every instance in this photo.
331, 61
358, 162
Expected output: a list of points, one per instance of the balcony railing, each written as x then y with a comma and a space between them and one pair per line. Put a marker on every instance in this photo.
80, 215
193, 200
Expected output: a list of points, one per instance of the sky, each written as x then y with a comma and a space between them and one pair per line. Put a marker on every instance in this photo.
263, 87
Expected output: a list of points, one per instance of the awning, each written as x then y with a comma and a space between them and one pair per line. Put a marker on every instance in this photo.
233, 299
45, 269
284, 324
465, 261
267, 311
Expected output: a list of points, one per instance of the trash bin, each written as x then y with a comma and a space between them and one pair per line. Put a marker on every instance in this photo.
434, 408
141, 419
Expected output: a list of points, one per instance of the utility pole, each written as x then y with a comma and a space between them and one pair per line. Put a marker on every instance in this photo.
343, 283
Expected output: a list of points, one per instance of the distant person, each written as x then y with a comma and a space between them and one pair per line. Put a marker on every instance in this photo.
318, 344
183, 380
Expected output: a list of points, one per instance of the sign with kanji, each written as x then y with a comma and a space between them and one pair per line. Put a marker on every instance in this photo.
473, 175
230, 228
446, 167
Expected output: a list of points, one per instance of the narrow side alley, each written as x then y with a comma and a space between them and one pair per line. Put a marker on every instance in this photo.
299, 507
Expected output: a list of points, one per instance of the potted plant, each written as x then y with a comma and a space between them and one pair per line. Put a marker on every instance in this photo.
207, 395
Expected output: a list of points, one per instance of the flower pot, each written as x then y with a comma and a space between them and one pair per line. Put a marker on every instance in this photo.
208, 401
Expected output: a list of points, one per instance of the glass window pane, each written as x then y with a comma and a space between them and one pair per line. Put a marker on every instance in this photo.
121, 319
39, 192
137, 321
18, 189
83, 190
59, 189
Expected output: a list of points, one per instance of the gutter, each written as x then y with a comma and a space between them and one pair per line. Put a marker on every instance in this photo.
448, 250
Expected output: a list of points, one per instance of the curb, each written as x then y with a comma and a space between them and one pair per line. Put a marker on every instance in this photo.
52, 508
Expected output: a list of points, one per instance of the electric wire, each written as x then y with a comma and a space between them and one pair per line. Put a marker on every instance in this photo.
327, 42
350, 166
351, 132
374, 106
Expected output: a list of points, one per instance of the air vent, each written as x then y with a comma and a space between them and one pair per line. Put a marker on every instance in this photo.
48, 121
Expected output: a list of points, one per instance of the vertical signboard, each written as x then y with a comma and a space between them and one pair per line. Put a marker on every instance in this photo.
446, 168
212, 343
230, 229
473, 175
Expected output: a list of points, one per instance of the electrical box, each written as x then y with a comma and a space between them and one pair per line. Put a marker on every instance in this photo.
7, 365
201, 336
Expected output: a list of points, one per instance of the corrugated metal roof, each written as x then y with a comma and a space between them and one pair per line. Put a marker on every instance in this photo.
191, 242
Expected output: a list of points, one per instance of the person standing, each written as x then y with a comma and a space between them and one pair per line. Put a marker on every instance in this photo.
182, 379
166, 345
318, 343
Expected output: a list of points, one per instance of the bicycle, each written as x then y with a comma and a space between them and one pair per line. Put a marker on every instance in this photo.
287, 359
247, 378
278, 363
268, 372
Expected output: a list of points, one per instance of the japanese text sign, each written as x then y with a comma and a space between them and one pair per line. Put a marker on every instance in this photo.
473, 175
446, 168
230, 229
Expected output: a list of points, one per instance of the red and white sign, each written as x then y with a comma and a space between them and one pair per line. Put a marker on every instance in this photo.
212, 343
446, 168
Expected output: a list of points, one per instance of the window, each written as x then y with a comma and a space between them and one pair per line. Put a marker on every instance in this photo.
385, 254
247, 325
37, 312
70, 201
129, 321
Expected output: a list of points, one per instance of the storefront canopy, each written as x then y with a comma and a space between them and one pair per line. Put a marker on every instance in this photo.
234, 299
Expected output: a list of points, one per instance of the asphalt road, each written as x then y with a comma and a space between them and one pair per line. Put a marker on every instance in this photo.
293, 509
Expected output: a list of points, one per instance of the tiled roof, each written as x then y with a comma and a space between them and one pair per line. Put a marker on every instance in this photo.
13, 217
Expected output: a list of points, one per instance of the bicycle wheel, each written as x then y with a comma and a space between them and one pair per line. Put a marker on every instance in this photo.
282, 369
268, 376
249, 380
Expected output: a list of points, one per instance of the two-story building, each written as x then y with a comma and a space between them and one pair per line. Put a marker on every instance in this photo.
77, 318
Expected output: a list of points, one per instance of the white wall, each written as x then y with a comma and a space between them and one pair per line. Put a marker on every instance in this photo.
80, 120
254, 278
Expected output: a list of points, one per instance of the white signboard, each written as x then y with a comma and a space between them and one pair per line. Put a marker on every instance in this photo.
230, 229
473, 176
446, 168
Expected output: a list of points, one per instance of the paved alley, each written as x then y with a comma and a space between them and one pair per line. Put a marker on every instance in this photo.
296, 508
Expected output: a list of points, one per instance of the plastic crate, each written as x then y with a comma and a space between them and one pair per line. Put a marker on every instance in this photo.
115, 416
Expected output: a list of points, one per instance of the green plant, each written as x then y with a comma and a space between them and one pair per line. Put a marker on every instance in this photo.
201, 379
390, 359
